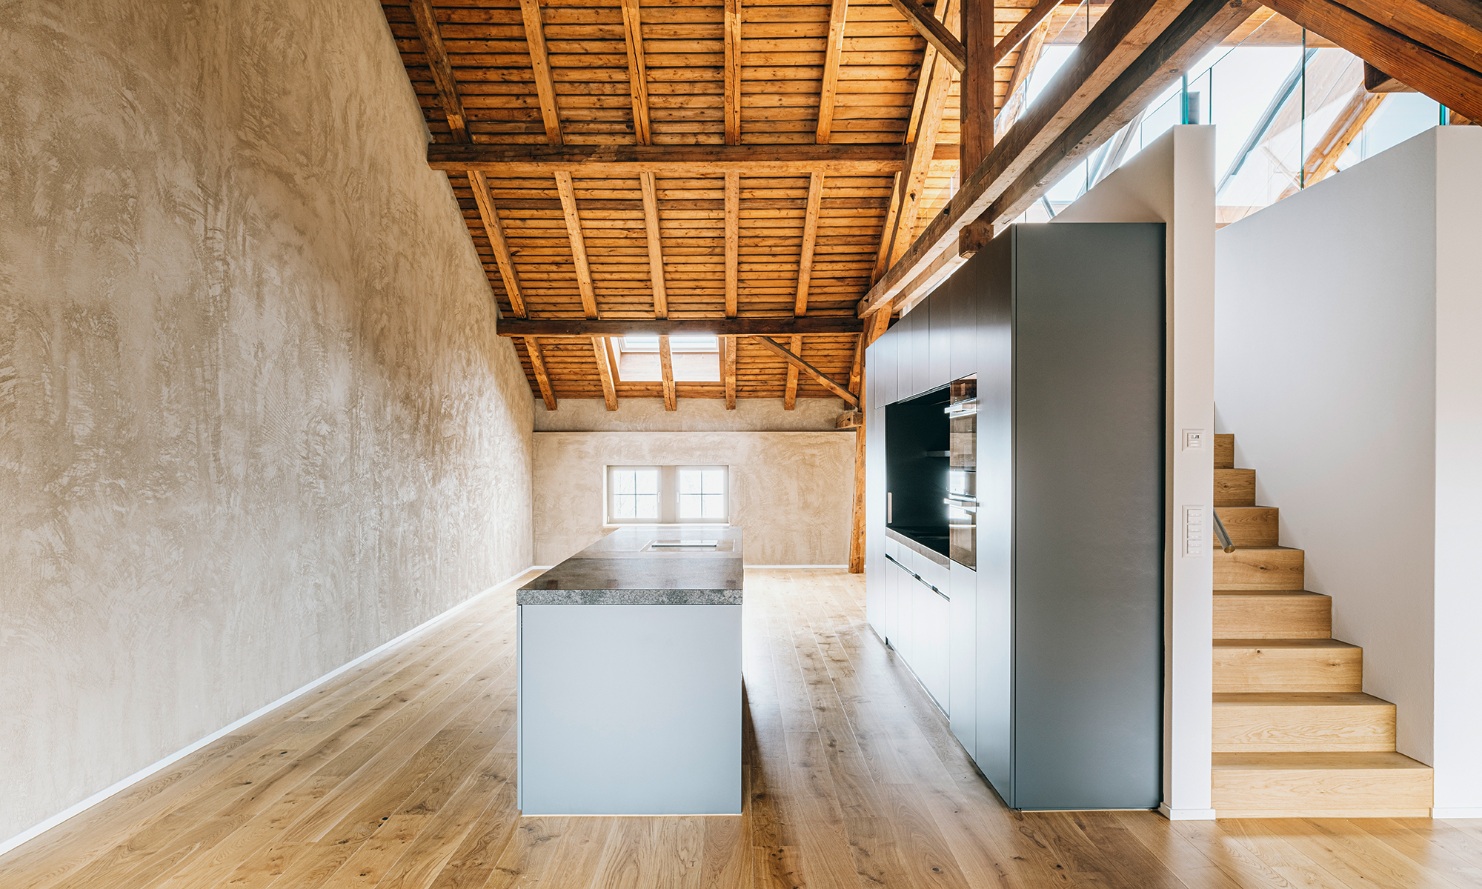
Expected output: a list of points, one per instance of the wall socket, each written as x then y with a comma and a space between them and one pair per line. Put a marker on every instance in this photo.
1193, 439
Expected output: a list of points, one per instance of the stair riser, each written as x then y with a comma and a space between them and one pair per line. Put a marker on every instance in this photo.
1234, 487
1320, 728
1251, 525
1224, 451
1271, 616
1312, 792
1259, 570
1252, 670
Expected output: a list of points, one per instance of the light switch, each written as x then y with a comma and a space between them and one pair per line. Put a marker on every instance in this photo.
1193, 439
1193, 530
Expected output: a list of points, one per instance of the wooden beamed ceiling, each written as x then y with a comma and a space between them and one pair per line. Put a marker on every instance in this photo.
769, 168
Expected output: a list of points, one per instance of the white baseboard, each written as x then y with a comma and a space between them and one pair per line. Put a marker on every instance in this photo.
1452, 812
1185, 814
77, 809
810, 567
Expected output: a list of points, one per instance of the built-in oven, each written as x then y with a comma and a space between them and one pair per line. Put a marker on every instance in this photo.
962, 467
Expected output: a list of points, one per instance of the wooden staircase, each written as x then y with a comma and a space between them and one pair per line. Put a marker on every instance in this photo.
1294, 733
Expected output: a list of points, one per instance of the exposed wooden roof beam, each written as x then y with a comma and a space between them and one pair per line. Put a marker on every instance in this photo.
934, 31
655, 244
856, 367
1023, 29
828, 92
637, 70
1014, 101
666, 372
671, 160
827, 381
733, 240
887, 230
540, 62
746, 325
542, 377
1136, 46
1322, 160
790, 389
604, 370
732, 99
578, 244
1415, 55
921, 151
975, 108
495, 230
728, 370
857, 506
442, 69
850, 419
1376, 81
810, 241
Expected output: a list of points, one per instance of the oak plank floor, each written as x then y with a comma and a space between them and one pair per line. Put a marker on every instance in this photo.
401, 774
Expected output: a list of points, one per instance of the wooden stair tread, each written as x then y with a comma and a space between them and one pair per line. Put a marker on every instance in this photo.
1281, 643
1299, 699
1358, 759
1270, 593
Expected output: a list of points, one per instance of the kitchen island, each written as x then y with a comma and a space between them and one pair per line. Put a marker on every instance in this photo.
630, 677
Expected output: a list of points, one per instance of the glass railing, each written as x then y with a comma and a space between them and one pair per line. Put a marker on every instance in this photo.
1289, 110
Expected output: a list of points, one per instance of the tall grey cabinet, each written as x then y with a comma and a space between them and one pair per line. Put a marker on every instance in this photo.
1056, 638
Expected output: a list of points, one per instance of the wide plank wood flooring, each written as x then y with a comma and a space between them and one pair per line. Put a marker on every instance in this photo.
401, 774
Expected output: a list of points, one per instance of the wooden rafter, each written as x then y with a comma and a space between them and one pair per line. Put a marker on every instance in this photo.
578, 244
790, 388
1419, 55
856, 368
936, 33
746, 325
540, 62
810, 242
728, 370
824, 379
1021, 31
797, 159
604, 370
542, 377
666, 371
1323, 159
920, 152
1014, 100
828, 92
495, 230
732, 98
1137, 46
892, 213
442, 69
655, 244
637, 70
733, 240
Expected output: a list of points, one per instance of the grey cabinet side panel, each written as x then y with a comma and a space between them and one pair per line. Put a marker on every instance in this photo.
1088, 452
989, 278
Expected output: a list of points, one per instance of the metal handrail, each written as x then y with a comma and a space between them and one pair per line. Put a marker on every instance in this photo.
1221, 533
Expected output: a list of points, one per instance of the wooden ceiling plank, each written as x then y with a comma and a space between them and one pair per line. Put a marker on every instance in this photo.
637, 71
824, 379
732, 98
495, 230
540, 63
604, 370
1115, 43
733, 240
1416, 63
746, 325
542, 377
788, 159
655, 244
810, 242
1021, 31
442, 69
934, 31
666, 369
567, 191
828, 92
790, 388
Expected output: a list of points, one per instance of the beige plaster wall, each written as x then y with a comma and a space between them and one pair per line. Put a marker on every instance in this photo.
790, 491
254, 419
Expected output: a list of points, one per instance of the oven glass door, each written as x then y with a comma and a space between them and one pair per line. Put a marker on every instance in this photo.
961, 502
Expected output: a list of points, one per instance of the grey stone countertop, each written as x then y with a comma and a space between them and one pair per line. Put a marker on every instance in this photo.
634, 566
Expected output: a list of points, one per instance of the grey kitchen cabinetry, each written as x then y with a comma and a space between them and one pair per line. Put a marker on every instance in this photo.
1048, 657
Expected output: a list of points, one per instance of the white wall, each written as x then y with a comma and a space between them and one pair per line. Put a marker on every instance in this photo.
1347, 368
790, 491
1172, 181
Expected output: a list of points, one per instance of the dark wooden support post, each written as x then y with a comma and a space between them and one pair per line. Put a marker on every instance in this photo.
976, 106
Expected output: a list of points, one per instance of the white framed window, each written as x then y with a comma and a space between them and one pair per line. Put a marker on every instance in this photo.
668, 494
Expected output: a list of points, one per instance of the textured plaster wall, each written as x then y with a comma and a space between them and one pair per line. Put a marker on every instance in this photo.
790, 491
254, 419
